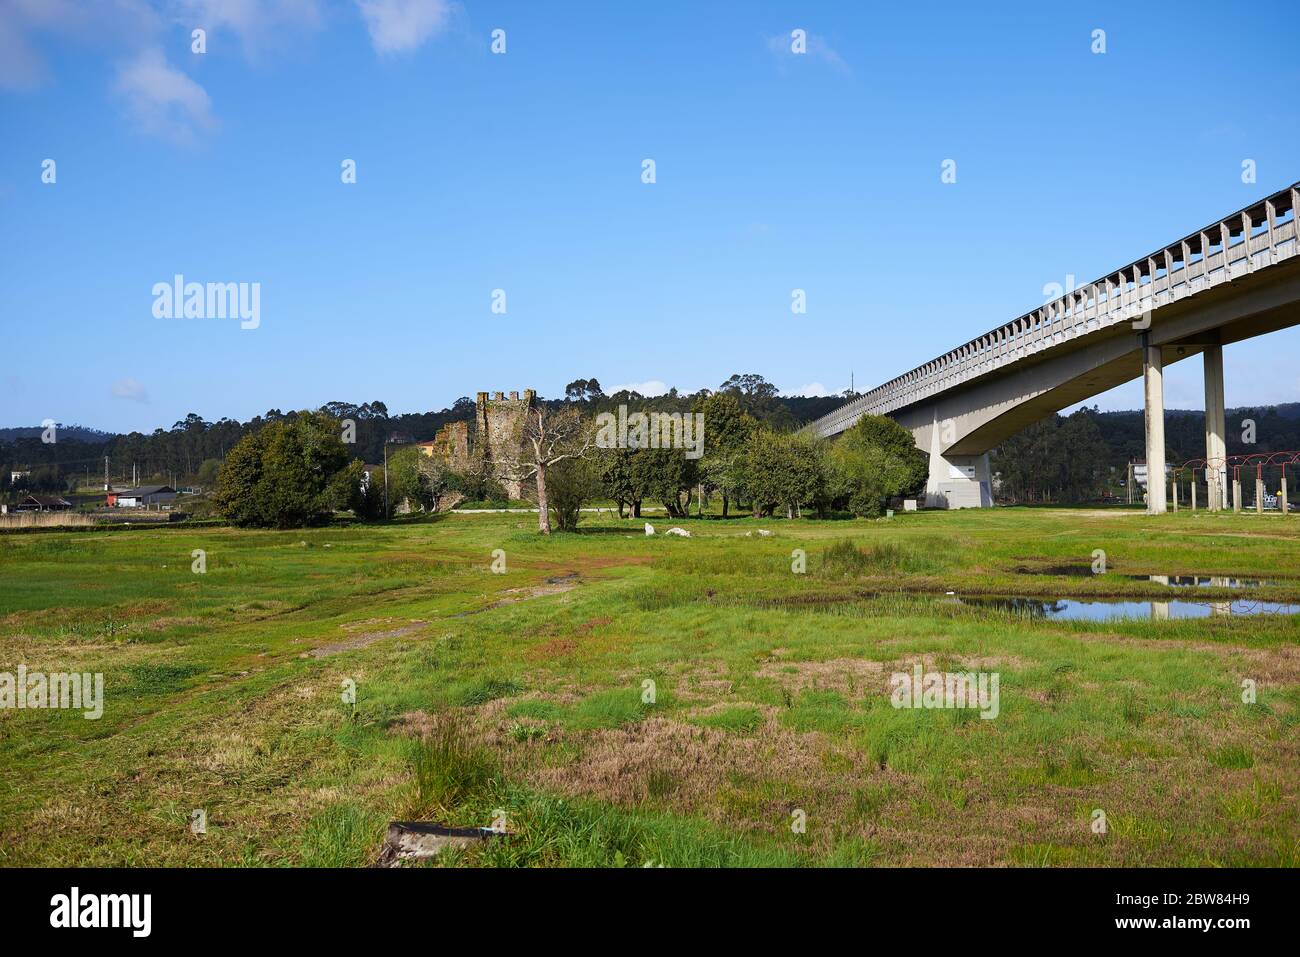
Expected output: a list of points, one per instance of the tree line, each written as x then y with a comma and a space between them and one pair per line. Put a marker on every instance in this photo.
1081, 457
299, 472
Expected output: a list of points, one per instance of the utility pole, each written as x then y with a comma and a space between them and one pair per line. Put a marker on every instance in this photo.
105, 473
386, 515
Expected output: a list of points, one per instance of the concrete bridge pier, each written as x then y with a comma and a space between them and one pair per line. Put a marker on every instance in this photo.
956, 481
1216, 448
1154, 381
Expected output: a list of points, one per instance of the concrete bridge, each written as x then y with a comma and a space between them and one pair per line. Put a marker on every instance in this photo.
1234, 279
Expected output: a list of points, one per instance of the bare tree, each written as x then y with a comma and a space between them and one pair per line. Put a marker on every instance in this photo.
549, 436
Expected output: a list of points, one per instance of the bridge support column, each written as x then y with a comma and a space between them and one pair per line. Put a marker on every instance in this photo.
1259, 494
1154, 381
1236, 493
956, 481
1216, 449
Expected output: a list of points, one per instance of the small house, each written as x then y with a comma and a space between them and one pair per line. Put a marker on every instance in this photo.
141, 497
42, 503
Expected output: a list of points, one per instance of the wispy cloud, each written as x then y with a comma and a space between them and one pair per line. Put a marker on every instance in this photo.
131, 389
398, 26
21, 67
648, 389
781, 47
259, 24
814, 390
104, 24
162, 100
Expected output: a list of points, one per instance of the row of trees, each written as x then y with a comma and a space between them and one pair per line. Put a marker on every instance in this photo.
768, 472
1056, 460
191, 451
1061, 459
297, 471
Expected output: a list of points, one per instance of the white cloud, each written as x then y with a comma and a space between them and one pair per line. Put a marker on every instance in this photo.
163, 100
648, 389
21, 67
106, 24
817, 47
129, 388
814, 390
397, 26
259, 24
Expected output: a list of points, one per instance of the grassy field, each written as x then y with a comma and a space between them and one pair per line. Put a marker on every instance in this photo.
523, 693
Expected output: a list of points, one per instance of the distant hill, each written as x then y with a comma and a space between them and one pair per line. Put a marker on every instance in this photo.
78, 433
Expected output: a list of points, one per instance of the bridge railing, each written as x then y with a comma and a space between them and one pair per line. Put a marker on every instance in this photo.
1253, 238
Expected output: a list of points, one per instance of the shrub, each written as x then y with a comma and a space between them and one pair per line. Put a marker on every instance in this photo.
570, 484
292, 473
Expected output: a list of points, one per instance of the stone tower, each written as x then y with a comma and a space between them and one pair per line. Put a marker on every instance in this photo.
490, 442
498, 427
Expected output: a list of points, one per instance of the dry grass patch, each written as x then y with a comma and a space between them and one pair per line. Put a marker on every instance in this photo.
847, 676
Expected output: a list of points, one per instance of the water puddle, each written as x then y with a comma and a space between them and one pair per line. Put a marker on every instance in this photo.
1174, 581
1107, 609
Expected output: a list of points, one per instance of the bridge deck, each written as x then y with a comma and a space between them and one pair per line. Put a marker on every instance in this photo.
1250, 239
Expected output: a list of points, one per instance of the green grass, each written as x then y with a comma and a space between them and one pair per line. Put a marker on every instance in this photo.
739, 718
448, 769
479, 693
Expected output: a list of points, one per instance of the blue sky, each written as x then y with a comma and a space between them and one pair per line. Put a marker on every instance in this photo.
523, 172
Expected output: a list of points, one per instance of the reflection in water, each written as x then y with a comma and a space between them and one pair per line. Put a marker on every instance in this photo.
1176, 581
1070, 609
1201, 581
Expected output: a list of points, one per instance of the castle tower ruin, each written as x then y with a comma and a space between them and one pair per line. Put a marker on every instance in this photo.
491, 442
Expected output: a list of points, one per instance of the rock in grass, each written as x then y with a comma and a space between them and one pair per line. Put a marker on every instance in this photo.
412, 840
649, 529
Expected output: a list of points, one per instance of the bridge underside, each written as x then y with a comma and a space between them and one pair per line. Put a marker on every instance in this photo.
1233, 280
960, 426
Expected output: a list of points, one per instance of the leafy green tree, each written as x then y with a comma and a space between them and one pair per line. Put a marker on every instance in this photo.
633, 476
726, 432
292, 473
583, 390
415, 479
872, 462
614, 468
664, 475
1056, 458
758, 398
571, 484
778, 472
209, 469
235, 496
